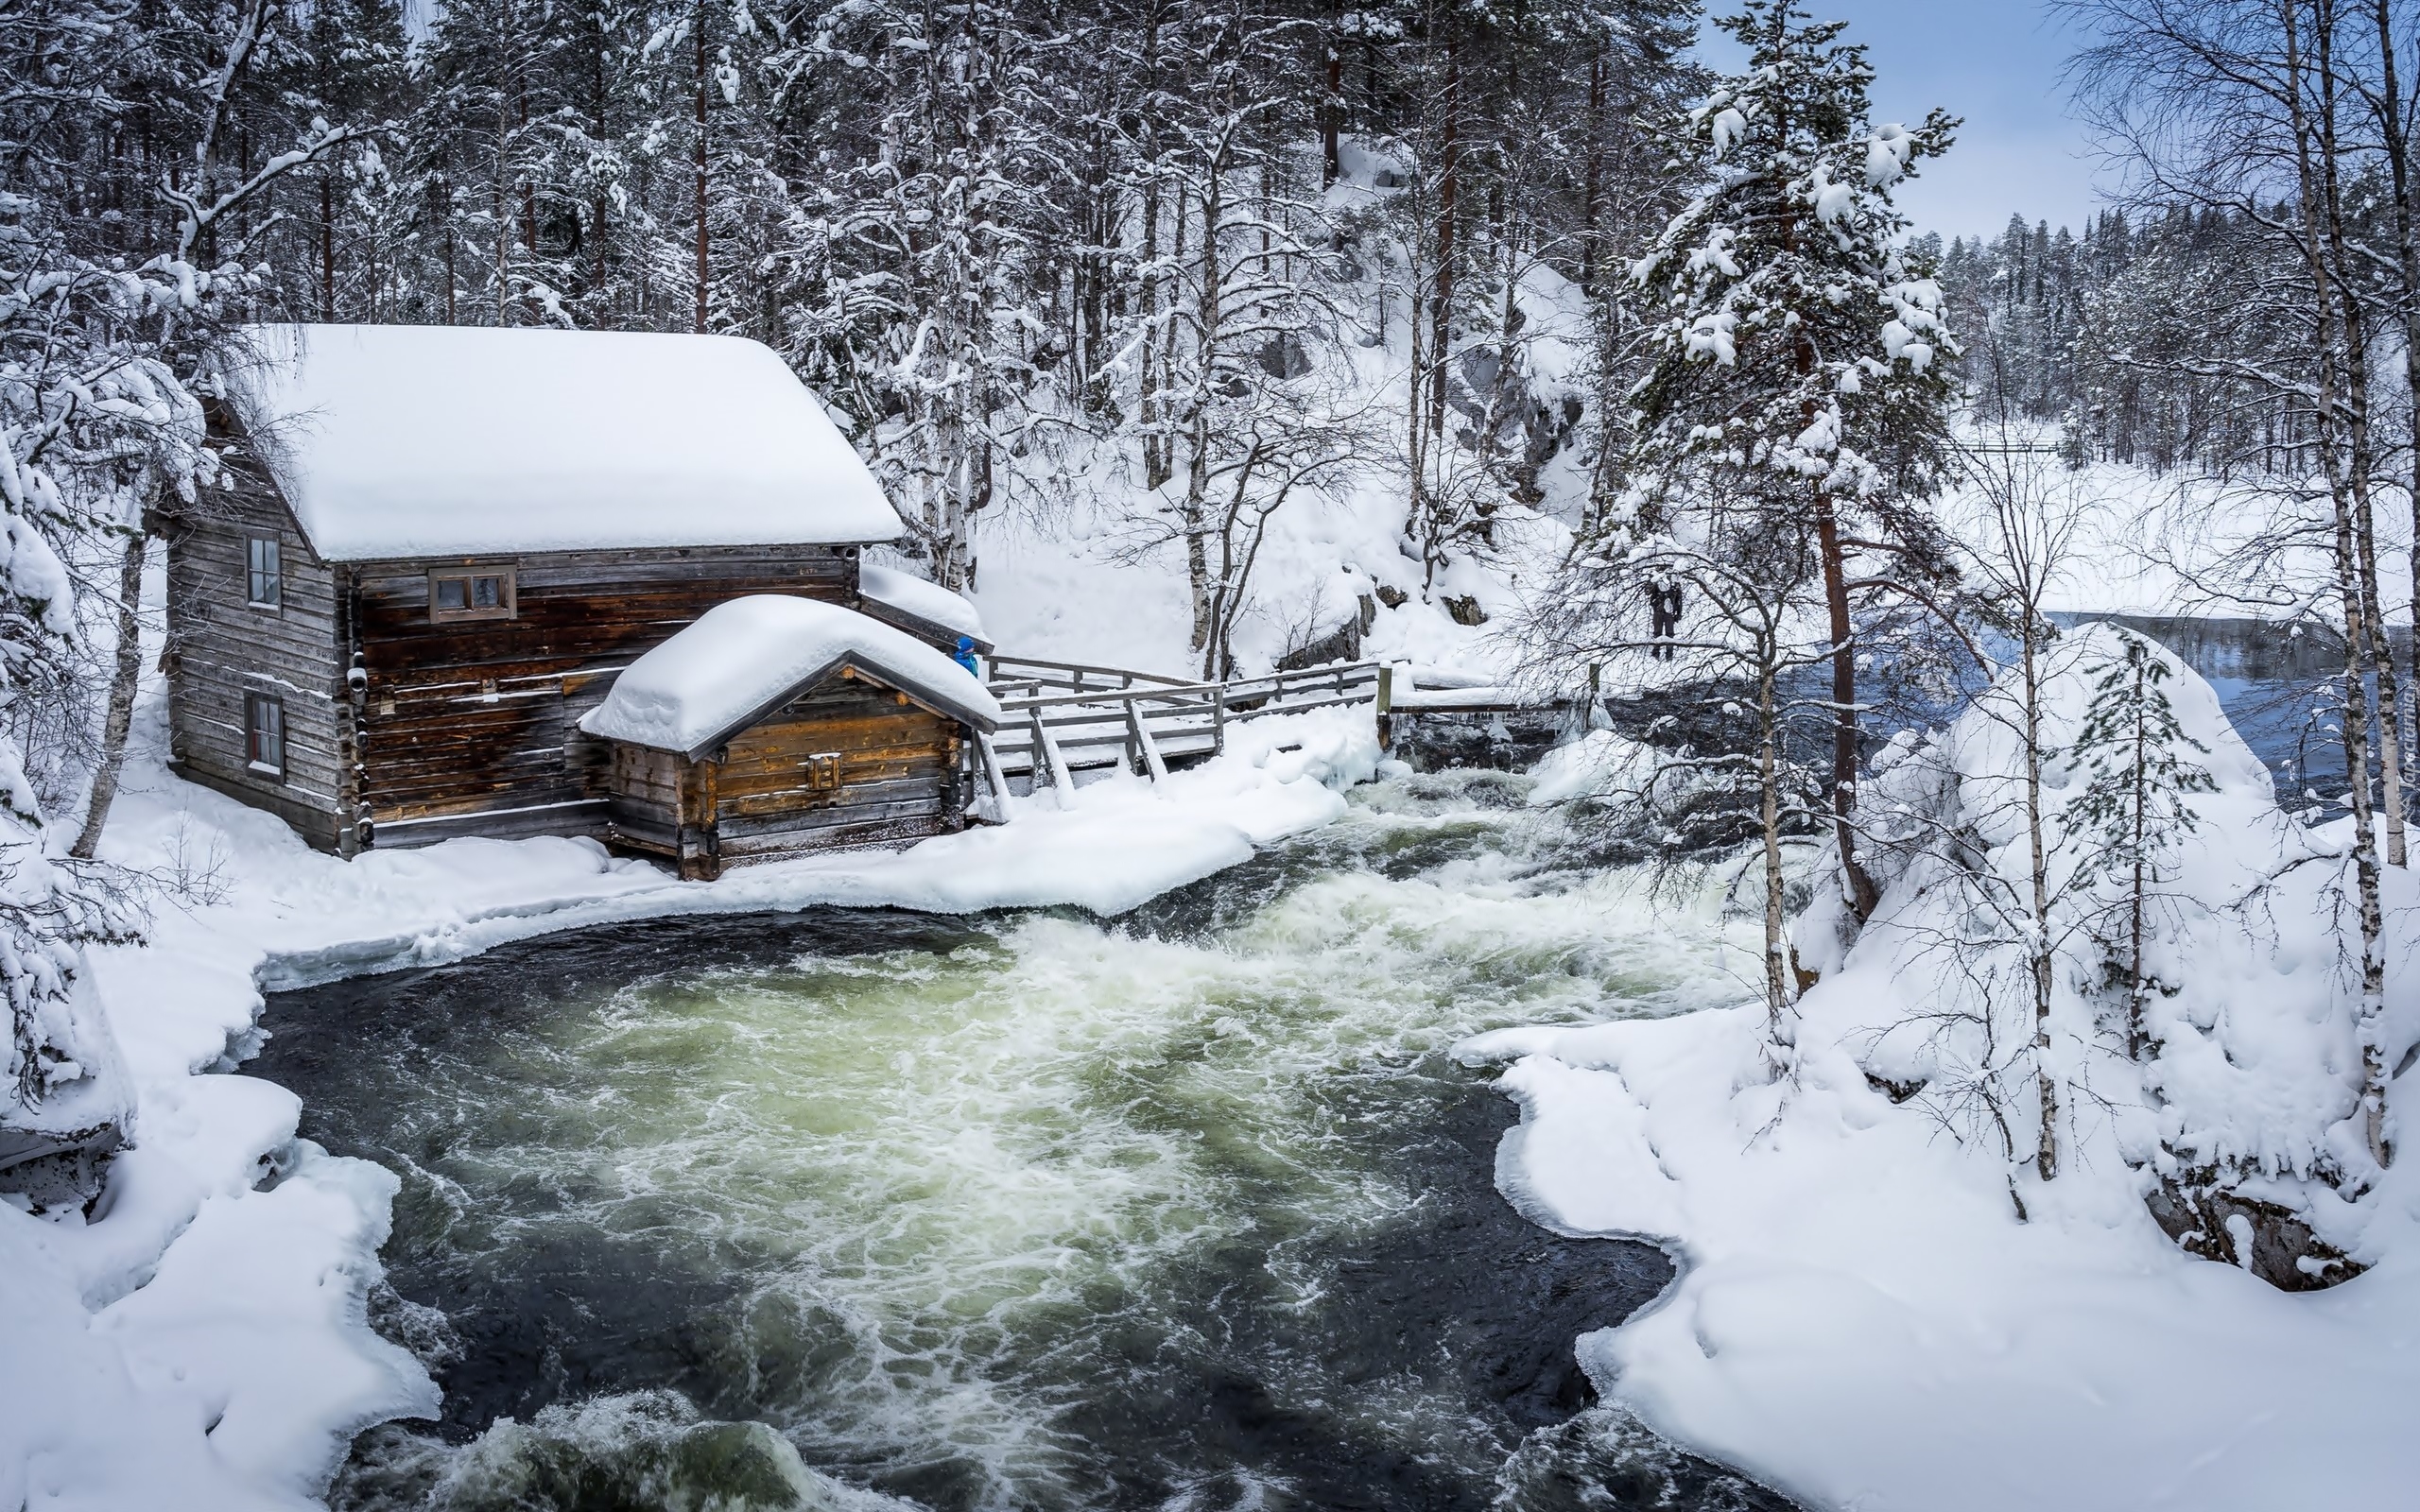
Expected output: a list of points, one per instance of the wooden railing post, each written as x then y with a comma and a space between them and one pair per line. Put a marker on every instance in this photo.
999, 779
1140, 736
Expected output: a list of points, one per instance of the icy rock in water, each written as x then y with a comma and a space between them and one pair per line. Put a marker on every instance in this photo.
1601, 764
644, 1453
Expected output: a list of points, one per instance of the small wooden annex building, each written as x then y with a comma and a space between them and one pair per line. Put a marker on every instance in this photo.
774, 725
443, 545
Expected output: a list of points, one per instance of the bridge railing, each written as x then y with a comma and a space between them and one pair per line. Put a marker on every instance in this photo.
1062, 716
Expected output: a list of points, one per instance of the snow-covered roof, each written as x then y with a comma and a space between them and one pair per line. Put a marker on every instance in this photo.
746, 657
395, 440
919, 599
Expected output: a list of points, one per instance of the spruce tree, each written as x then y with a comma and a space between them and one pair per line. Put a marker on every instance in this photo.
2131, 812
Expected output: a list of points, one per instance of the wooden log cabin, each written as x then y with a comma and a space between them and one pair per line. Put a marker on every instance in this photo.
778, 725
441, 545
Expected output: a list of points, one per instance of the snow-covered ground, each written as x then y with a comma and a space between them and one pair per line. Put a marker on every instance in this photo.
2183, 544
202, 1344
1863, 1321
1072, 590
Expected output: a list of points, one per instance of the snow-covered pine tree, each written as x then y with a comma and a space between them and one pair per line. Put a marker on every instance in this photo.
97, 423
2131, 813
521, 156
344, 61
947, 208
87, 420
1797, 378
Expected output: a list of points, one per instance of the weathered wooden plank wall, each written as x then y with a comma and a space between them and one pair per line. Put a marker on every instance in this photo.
479, 716
220, 649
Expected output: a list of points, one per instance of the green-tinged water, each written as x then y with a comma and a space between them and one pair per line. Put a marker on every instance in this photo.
1190, 1210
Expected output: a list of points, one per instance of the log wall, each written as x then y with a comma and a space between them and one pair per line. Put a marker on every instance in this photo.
901, 776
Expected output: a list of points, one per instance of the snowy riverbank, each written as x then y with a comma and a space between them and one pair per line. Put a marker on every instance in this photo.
1863, 1321
202, 1343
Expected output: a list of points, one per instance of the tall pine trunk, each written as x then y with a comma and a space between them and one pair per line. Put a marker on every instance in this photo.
698, 24
1332, 99
1859, 889
327, 247
1593, 175
1441, 316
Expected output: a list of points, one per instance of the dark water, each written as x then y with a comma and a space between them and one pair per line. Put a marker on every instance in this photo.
865, 1209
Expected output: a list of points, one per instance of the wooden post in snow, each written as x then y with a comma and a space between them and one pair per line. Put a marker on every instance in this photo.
996, 777
1140, 736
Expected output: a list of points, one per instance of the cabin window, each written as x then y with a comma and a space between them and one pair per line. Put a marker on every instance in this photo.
264, 576
265, 735
470, 594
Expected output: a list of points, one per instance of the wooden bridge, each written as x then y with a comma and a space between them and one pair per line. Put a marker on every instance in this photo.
1061, 717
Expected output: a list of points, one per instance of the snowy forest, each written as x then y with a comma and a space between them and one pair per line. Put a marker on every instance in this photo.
1627, 381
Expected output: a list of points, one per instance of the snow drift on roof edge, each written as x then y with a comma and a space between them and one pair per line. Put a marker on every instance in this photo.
743, 654
396, 441
926, 600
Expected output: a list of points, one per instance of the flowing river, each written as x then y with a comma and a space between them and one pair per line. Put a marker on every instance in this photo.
1192, 1209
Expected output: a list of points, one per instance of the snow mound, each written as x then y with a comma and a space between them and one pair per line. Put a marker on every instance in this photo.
925, 601
457, 441
742, 658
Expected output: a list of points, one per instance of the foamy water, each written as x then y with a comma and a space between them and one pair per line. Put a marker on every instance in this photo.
1190, 1209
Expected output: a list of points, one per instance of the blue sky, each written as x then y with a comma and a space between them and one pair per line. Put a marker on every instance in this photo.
1997, 64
